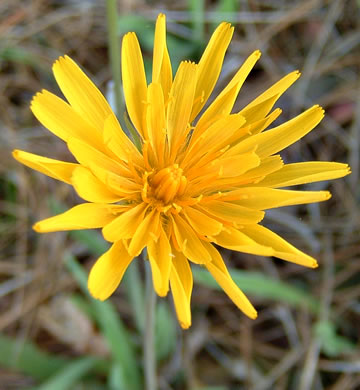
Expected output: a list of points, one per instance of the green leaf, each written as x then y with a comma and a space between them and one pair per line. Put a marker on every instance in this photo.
143, 27
118, 338
197, 11
116, 378
228, 6
165, 331
23, 56
97, 246
25, 357
260, 285
67, 377
92, 240
225, 11
332, 344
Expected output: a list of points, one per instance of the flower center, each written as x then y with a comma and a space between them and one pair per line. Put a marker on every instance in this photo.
168, 183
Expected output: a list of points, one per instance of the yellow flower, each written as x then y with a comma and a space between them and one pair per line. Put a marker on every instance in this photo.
195, 183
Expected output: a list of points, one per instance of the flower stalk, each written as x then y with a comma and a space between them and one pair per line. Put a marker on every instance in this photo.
114, 51
149, 332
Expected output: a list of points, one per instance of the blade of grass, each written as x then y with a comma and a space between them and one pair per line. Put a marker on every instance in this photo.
332, 344
114, 51
115, 379
262, 286
70, 374
197, 10
165, 331
97, 246
224, 8
25, 357
118, 338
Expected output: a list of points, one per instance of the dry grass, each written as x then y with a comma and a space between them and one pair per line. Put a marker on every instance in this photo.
285, 348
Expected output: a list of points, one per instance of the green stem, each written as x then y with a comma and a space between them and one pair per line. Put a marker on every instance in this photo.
114, 51
135, 292
149, 333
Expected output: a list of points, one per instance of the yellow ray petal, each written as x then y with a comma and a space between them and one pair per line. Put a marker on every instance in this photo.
160, 257
125, 225
210, 65
107, 272
213, 138
268, 165
117, 183
62, 119
234, 239
189, 242
262, 198
275, 90
306, 172
89, 156
277, 139
262, 124
231, 212
80, 92
90, 188
118, 142
282, 248
134, 81
83, 216
56, 169
202, 223
224, 102
218, 270
180, 104
259, 111
181, 282
156, 122
237, 165
146, 231
161, 72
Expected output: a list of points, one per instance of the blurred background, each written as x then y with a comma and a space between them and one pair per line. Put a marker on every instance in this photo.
53, 336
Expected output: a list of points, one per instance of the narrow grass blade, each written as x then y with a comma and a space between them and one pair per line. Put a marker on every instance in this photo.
97, 246
70, 374
332, 344
262, 286
165, 331
197, 10
118, 338
25, 357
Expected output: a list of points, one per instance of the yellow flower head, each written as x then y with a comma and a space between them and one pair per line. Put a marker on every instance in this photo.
193, 184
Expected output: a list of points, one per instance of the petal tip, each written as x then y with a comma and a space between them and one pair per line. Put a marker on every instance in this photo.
37, 227
257, 53
185, 325
253, 315
327, 195
163, 292
96, 294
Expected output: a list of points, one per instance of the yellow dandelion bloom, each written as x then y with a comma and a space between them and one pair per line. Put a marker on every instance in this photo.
194, 183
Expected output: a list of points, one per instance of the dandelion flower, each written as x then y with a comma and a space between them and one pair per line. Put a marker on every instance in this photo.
196, 183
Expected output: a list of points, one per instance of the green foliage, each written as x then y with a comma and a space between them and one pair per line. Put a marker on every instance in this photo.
332, 344
114, 331
21, 56
165, 332
262, 286
197, 11
65, 378
25, 357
